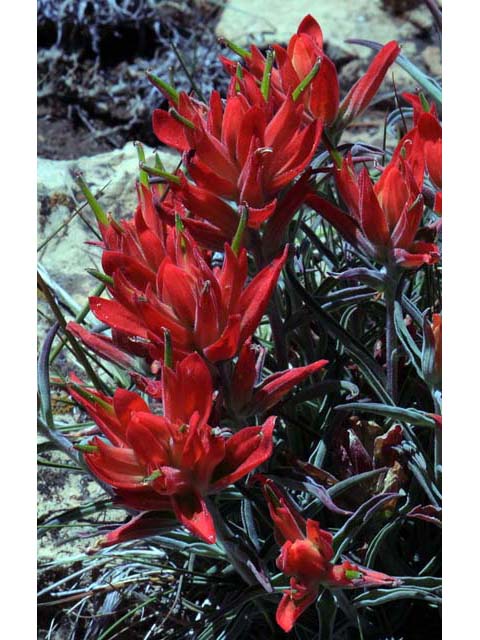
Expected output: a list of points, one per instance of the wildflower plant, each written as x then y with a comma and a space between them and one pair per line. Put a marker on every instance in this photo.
263, 379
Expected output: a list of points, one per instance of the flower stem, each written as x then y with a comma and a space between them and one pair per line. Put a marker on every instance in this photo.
437, 443
230, 545
391, 336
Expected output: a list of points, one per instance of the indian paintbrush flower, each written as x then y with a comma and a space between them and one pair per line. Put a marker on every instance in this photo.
247, 397
242, 151
160, 280
307, 556
304, 72
170, 461
422, 145
384, 218
432, 351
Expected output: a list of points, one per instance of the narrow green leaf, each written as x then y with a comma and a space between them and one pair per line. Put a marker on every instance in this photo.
347, 534
168, 349
141, 160
348, 483
159, 173
95, 206
267, 72
43, 374
238, 237
376, 597
100, 276
412, 416
178, 116
297, 92
77, 513
368, 366
240, 51
163, 86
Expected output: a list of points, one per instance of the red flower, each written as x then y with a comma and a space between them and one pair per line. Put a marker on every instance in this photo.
137, 246
163, 282
288, 523
247, 398
437, 334
133, 251
213, 222
305, 49
432, 350
362, 92
384, 218
242, 150
422, 146
143, 525
306, 556
305, 59
172, 461
104, 347
429, 134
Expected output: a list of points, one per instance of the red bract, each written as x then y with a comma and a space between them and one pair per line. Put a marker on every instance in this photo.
429, 134
172, 461
305, 49
306, 556
137, 246
422, 146
304, 60
133, 251
248, 398
383, 219
363, 91
144, 525
437, 334
174, 289
432, 350
104, 347
241, 150
212, 221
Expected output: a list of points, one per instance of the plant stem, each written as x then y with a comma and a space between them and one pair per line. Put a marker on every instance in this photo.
437, 443
391, 336
278, 332
230, 545
436, 12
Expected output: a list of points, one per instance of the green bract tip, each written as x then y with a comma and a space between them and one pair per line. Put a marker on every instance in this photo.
100, 214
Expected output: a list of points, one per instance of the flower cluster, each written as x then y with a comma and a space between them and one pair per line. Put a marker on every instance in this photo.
306, 557
192, 275
383, 219
174, 460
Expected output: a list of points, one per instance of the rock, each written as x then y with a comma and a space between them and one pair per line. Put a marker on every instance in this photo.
247, 21
432, 58
398, 7
66, 256
420, 18
59, 490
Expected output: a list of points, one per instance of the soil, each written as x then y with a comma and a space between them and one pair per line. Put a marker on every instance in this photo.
93, 94
59, 138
